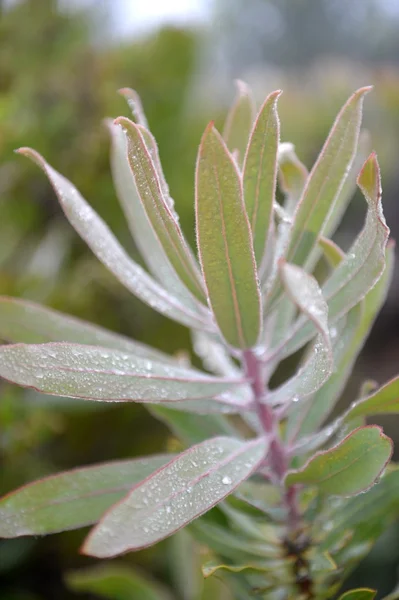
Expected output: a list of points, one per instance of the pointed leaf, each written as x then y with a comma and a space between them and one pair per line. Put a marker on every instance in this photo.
292, 176
135, 105
95, 373
348, 468
326, 179
162, 220
260, 173
141, 229
384, 401
333, 253
176, 494
359, 594
108, 250
239, 121
30, 323
72, 499
225, 244
115, 582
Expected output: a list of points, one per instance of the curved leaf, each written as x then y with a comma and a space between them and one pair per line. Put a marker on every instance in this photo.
303, 289
108, 250
348, 468
225, 244
292, 176
384, 401
141, 229
31, 323
176, 494
72, 499
326, 179
162, 220
95, 373
359, 594
239, 121
260, 173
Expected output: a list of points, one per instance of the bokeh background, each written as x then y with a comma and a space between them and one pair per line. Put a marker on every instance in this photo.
60, 66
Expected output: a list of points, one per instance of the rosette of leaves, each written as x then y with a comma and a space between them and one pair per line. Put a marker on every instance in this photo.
281, 477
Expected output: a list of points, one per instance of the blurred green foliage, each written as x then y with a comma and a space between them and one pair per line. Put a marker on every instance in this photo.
56, 87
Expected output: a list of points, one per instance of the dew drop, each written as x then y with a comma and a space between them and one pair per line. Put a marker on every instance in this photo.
226, 480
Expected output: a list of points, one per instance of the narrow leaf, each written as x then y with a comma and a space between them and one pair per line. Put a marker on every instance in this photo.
384, 401
95, 373
141, 229
176, 494
225, 244
359, 594
115, 582
72, 499
333, 253
317, 367
30, 323
292, 176
162, 220
239, 121
260, 173
326, 179
350, 467
108, 250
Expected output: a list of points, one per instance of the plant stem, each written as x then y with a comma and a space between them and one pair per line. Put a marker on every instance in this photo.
278, 455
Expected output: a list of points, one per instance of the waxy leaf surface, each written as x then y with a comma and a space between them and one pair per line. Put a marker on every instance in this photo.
108, 250
162, 220
141, 229
72, 499
260, 173
326, 179
348, 468
225, 244
103, 374
30, 323
176, 494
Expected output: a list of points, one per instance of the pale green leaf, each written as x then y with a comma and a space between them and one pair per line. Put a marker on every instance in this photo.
384, 401
95, 373
30, 323
225, 244
115, 582
260, 173
239, 121
326, 179
333, 253
350, 467
304, 291
108, 250
141, 229
162, 220
176, 494
72, 499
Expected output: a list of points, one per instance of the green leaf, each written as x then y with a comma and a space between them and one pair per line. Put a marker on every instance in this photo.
115, 582
239, 121
348, 468
384, 401
303, 289
108, 250
30, 323
162, 220
176, 494
135, 105
365, 261
95, 373
141, 229
358, 325
361, 268
326, 179
260, 173
333, 253
72, 499
292, 176
359, 594
225, 244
